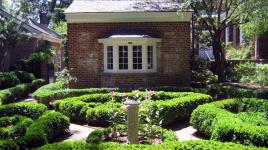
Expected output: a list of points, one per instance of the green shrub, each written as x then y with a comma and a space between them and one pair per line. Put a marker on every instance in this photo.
220, 121
98, 109
46, 128
8, 79
15, 93
190, 145
13, 127
25, 77
58, 90
31, 110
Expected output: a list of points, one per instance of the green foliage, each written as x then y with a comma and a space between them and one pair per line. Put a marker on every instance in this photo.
99, 108
253, 73
59, 90
47, 128
101, 135
8, 79
201, 71
190, 145
244, 52
65, 76
25, 77
15, 93
220, 121
31, 110
13, 127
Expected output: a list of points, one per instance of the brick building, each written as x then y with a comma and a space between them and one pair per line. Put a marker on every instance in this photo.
115, 43
38, 35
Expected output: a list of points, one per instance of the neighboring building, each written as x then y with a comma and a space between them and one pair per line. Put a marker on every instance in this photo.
38, 34
121, 43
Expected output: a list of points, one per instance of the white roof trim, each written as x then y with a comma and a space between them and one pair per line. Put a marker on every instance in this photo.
128, 17
129, 39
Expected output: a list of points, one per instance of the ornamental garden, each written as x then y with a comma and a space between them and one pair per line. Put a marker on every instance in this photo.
223, 118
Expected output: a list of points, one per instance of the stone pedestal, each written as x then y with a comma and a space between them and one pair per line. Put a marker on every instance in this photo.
132, 108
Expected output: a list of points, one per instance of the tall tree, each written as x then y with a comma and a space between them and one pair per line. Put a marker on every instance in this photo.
215, 16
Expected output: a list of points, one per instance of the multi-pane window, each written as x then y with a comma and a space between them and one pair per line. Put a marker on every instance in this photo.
137, 57
110, 57
123, 57
150, 57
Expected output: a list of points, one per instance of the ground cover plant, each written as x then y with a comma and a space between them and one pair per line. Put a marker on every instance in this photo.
59, 90
29, 125
234, 120
103, 109
148, 134
190, 145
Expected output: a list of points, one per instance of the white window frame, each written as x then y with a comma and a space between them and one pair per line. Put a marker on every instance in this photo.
130, 42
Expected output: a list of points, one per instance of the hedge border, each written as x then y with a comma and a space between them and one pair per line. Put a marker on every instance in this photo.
217, 121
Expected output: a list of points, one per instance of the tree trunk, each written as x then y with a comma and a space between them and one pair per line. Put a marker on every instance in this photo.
44, 18
220, 60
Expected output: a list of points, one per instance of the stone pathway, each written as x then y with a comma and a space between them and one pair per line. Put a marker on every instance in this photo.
185, 132
79, 132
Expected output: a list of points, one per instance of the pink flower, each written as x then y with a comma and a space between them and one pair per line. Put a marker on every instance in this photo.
112, 93
123, 94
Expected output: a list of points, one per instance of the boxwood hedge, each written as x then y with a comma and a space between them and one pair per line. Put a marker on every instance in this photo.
190, 145
58, 90
236, 120
19, 91
98, 109
28, 125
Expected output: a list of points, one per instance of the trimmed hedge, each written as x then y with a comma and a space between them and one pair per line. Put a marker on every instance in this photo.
224, 121
34, 128
12, 94
58, 90
190, 145
219, 92
101, 135
97, 109
10, 79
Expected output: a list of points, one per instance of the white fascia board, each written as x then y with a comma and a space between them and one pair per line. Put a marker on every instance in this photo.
129, 39
129, 17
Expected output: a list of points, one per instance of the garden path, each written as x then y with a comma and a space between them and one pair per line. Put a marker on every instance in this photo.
28, 99
79, 132
185, 132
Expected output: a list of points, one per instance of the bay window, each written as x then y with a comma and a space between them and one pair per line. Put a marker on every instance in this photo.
130, 54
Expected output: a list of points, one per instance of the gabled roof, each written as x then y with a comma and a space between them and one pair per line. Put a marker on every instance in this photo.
34, 29
103, 6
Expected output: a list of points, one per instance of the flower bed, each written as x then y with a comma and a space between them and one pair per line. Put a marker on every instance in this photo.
235, 120
191, 145
29, 125
148, 134
99, 109
12, 94
58, 90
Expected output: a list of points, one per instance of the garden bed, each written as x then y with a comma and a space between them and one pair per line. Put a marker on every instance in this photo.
103, 109
29, 125
148, 134
234, 120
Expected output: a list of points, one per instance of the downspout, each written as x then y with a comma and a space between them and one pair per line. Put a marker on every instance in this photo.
193, 38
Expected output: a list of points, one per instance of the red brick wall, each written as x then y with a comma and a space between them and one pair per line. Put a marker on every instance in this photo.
86, 55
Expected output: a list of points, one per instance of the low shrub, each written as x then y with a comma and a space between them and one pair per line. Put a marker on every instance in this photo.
31, 110
58, 90
8, 79
232, 120
189, 145
12, 94
146, 131
43, 130
47, 128
98, 109
25, 77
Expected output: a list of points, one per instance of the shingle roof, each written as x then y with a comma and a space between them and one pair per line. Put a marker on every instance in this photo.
95, 6
34, 28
